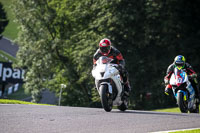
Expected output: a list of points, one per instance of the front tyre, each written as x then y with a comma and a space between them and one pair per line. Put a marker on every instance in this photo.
106, 99
181, 103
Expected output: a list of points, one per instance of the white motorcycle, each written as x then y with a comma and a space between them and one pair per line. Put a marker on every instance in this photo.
184, 92
109, 84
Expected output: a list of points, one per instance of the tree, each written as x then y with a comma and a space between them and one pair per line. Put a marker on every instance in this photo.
3, 20
48, 49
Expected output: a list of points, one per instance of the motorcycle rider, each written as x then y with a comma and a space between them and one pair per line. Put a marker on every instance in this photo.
105, 49
179, 62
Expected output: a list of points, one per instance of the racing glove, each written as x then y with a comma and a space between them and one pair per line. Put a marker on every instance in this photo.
166, 81
192, 76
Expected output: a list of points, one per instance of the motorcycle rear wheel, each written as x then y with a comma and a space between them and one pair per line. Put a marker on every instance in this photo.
181, 103
123, 106
106, 99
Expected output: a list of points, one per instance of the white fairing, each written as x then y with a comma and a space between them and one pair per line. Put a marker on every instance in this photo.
174, 80
108, 71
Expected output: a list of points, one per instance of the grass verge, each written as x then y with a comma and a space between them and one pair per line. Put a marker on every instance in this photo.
2, 59
187, 131
174, 110
11, 29
9, 57
7, 101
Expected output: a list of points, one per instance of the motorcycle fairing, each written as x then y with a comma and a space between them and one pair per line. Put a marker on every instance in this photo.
106, 70
178, 77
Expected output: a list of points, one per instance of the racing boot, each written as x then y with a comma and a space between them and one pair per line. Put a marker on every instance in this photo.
127, 89
196, 89
197, 93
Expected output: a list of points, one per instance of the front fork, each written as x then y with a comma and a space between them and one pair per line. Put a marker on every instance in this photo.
185, 96
103, 83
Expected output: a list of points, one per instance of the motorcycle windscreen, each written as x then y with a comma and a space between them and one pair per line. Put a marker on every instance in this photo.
104, 60
100, 69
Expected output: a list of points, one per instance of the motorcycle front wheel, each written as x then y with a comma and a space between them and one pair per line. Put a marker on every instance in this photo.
106, 99
181, 103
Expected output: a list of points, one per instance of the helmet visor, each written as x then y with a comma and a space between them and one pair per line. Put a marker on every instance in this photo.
105, 49
179, 65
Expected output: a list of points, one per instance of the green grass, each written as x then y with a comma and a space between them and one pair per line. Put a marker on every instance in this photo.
2, 59
174, 110
6, 101
188, 131
11, 29
13, 59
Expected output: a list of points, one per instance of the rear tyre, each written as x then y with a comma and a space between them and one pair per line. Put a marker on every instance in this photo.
197, 109
123, 106
106, 99
181, 103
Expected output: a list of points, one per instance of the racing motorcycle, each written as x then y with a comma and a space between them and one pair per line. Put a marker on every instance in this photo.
183, 91
109, 84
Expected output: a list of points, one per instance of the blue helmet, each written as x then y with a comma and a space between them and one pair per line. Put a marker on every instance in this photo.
179, 61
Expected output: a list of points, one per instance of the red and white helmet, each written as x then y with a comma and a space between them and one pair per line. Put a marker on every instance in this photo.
105, 46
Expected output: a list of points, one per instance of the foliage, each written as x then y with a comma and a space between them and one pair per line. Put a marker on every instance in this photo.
3, 19
19, 95
58, 39
47, 42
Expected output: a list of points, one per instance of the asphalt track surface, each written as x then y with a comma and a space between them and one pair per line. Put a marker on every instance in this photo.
63, 119
7, 46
